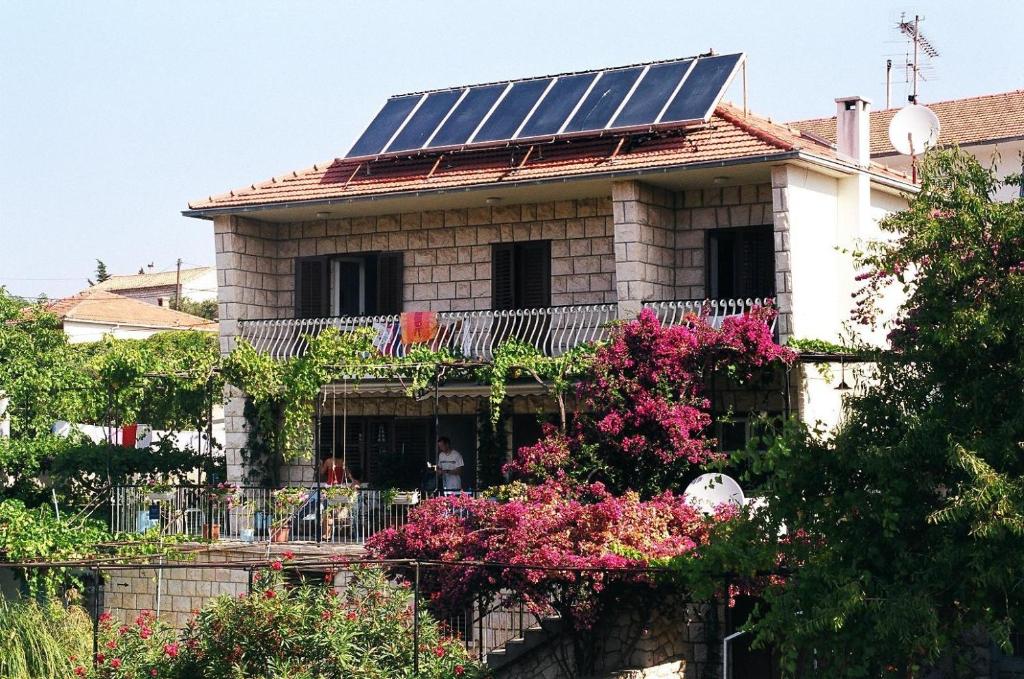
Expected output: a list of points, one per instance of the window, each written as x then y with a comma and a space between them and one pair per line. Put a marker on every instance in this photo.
521, 275
348, 285
741, 263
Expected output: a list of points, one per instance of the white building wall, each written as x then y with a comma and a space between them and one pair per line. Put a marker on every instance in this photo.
79, 332
201, 288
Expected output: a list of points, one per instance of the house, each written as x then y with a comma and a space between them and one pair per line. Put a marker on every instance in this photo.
198, 284
545, 208
93, 314
989, 127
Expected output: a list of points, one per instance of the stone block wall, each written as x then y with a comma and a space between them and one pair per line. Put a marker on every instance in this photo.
641, 243
174, 592
701, 210
672, 639
645, 235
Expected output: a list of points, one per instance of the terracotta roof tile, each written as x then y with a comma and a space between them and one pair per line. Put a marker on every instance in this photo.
159, 279
99, 306
964, 121
729, 135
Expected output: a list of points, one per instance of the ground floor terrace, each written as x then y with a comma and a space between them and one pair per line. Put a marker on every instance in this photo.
387, 441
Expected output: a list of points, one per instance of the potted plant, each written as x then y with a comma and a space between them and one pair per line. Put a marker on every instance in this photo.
286, 501
158, 491
406, 498
339, 495
222, 495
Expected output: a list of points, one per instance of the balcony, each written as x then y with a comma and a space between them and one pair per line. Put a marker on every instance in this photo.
326, 515
475, 334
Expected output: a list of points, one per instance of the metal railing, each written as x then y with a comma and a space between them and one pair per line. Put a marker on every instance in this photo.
475, 334
676, 312
324, 515
469, 334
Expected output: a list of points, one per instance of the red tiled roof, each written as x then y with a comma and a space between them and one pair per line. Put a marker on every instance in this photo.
99, 306
157, 279
729, 135
963, 121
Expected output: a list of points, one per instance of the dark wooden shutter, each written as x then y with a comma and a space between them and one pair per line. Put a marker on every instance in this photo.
533, 275
503, 276
756, 270
312, 287
389, 283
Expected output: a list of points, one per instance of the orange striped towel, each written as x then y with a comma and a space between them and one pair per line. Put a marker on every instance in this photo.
418, 327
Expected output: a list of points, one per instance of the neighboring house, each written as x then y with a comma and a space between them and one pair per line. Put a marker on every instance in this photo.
198, 284
989, 127
92, 314
548, 238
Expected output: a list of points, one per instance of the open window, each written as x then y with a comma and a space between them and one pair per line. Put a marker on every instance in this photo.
741, 263
363, 284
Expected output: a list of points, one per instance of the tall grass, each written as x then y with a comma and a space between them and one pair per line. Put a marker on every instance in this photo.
37, 641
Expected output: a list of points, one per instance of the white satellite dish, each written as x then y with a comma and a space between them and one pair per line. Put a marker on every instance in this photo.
709, 491
914, 130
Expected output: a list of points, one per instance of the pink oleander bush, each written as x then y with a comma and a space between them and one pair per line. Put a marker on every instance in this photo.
644, 415
363, 630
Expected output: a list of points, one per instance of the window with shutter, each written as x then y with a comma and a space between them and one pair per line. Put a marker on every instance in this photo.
311, 287
389, 283
503, 294
348, 285
533, 279
521, 275
741, 263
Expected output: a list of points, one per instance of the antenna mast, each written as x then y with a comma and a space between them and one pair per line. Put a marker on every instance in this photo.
919, 43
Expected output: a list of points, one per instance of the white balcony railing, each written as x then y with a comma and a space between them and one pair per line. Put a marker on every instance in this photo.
253, 516
475, 334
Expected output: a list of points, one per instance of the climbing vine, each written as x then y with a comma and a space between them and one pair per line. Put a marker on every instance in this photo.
284, 392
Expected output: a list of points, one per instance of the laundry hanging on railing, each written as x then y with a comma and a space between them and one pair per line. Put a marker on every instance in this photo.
418, 327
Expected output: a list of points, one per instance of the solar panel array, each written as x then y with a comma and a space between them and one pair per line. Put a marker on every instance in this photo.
631, 97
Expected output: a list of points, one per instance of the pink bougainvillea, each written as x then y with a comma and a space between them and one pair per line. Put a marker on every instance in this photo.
644, 416
490, 547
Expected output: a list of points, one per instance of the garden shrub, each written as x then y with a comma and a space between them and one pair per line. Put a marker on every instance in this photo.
42, 641
362, 630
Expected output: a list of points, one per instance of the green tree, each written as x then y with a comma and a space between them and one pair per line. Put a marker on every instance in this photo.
906, 526
101, 273
204, 309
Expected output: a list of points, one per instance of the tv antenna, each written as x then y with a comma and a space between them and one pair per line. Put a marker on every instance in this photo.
918, 46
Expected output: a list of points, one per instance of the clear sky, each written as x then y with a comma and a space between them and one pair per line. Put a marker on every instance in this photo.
114, 114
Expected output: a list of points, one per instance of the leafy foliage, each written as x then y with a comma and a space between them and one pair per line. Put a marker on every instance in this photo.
535, 545
363, 630
42, 641
36, 535
204, 309
284, 392
912, 513
643, 420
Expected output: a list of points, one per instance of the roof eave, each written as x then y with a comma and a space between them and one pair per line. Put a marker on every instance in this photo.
212, 212
887, 181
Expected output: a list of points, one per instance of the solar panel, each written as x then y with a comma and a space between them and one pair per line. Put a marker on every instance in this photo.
700, 93
593, 102
557, 105
510, 113
422, 124
467, 115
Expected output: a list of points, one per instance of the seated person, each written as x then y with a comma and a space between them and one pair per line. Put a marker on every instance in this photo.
334, 473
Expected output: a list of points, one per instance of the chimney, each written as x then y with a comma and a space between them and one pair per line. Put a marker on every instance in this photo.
853, 129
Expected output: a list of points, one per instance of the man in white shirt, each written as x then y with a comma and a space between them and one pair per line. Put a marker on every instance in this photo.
449, 465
